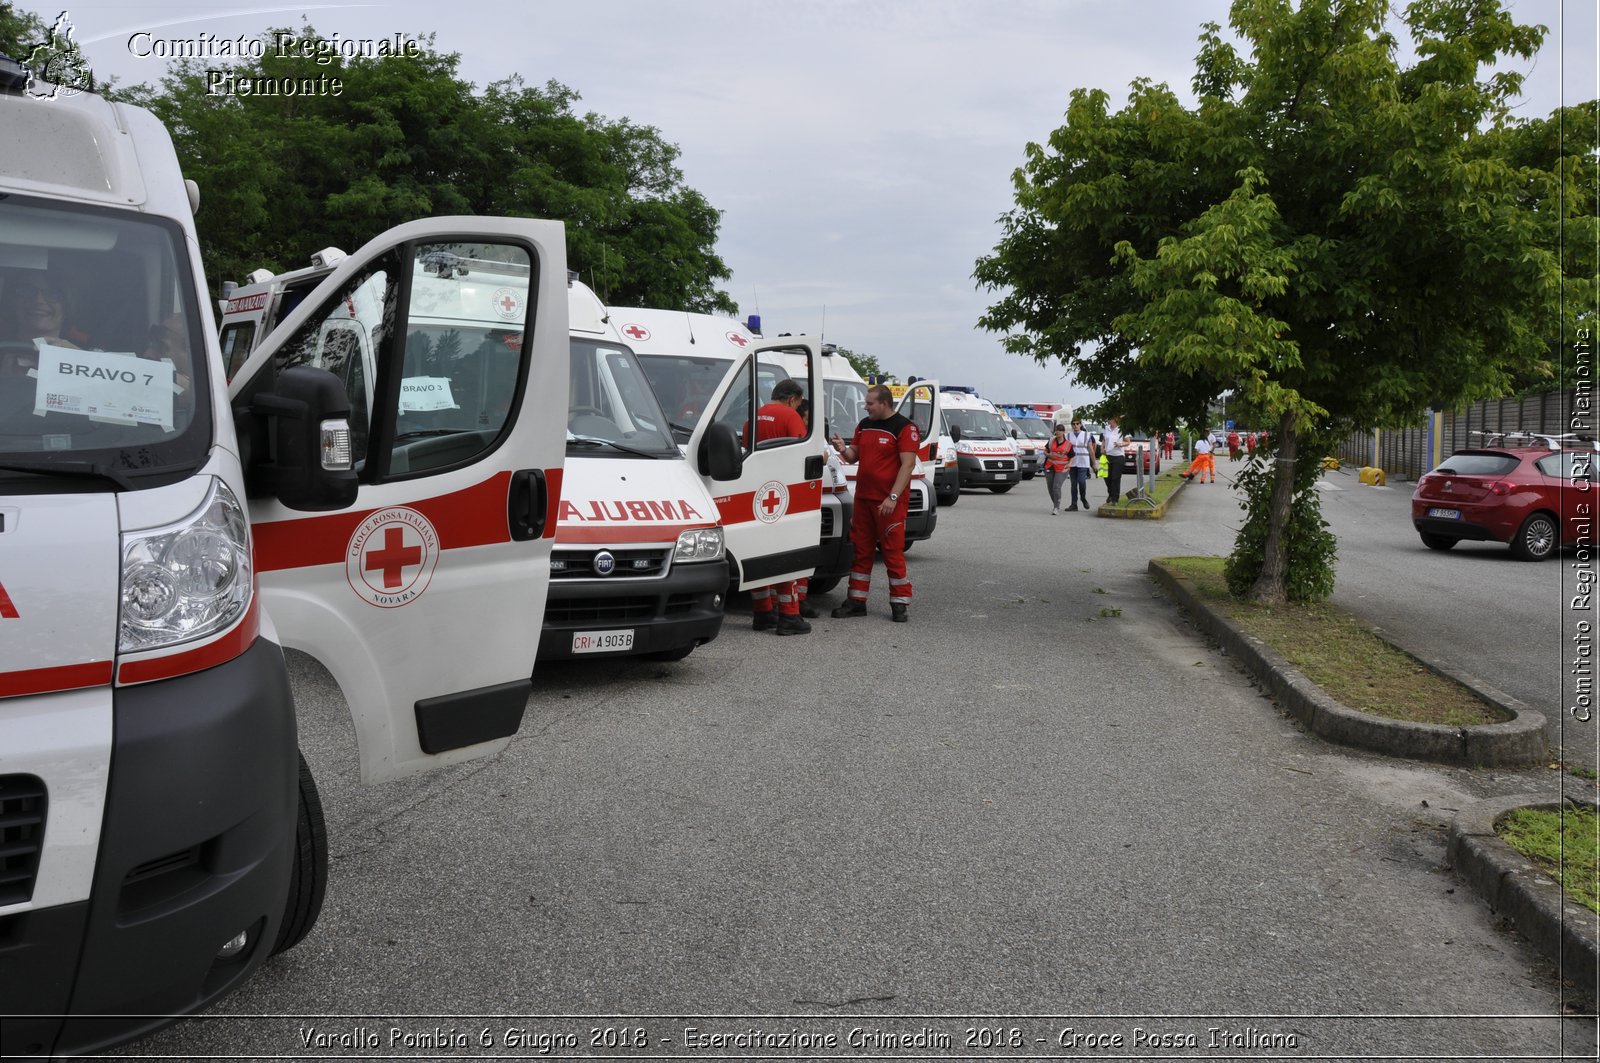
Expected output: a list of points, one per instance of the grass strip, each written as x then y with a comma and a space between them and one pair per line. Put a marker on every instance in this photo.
1161, 489
1564, 842
1341, 655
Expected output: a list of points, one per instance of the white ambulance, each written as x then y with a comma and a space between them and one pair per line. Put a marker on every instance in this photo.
781, 517
986, 454
639, 565
161, 835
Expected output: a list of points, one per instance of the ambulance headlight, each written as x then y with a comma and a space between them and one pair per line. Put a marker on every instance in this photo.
187, 580
699, 544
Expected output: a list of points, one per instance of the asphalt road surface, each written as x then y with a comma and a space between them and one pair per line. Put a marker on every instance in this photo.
1042, 820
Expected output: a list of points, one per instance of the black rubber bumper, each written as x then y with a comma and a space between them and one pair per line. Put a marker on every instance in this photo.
683, 608
196, 846
835, 555
1455, 529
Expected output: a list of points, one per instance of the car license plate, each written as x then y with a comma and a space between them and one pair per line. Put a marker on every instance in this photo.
999, 476
1447, 514
602, 641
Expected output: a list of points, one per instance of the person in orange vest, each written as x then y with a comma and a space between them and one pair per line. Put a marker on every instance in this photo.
1057, 467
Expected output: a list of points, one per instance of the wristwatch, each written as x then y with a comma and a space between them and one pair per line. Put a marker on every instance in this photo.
893, 497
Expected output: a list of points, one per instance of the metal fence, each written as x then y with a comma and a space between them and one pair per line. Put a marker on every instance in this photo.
1407, 453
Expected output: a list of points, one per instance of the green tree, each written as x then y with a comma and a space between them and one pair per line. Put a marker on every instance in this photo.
867, 366
1336, 238
285, 175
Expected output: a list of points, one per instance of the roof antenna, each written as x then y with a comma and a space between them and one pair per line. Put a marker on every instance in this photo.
689, 320
823, 332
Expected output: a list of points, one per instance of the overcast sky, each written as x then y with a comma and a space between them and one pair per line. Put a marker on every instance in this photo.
860, 151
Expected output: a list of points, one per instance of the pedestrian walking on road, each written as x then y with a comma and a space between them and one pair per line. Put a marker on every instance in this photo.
885, 445
1233, 445
1057, 467
1082, 456
1111, 441
1203, 469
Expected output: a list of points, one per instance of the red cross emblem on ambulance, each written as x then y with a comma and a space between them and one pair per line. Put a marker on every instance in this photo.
507, 303
635, 332
738, 340
391, 557
771, 501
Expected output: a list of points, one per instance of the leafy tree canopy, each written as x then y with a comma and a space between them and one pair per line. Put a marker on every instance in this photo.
283, 176
867, 365
1335, 238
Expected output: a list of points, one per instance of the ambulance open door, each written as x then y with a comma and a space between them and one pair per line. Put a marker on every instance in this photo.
920, 405
771, 512
425, 594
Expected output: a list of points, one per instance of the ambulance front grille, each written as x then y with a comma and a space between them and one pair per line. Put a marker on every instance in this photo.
22, 816
827, 523
639, 562
917, 502
600, 610
1000, 465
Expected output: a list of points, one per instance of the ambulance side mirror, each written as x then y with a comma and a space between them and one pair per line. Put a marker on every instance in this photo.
955, 433
720, 457
305, 408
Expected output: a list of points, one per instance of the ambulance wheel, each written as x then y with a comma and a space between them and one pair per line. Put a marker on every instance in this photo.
676, 654
822, 586
1001, 489
308, 881
950, 498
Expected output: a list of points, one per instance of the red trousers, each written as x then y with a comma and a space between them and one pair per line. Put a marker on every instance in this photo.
869, 531
787, 595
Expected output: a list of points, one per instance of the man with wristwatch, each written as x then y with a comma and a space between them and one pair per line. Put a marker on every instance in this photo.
884, 448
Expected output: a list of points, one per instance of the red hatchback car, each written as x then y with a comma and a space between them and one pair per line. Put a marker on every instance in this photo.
1521, 489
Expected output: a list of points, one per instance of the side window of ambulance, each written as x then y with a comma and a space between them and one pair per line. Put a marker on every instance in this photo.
735, 409
462, 354
237, 343
920, 411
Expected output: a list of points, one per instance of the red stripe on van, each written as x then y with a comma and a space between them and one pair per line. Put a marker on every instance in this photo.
221, 650
473, 516
804, 497
624, 533
51, 680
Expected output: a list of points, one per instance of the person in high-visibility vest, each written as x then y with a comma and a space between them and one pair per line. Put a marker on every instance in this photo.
1057, 463
1203, 469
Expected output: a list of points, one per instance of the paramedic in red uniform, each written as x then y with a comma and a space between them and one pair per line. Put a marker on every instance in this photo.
779, 419
885, 445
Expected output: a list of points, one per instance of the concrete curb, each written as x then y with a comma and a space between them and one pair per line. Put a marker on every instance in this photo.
1518, 889
1155, 512
1519, 742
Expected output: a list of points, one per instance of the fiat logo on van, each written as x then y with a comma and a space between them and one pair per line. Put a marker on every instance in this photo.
604, 563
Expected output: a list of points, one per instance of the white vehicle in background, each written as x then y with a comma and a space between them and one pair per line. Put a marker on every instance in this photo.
986, 454
710, 375
162, 536
638, 566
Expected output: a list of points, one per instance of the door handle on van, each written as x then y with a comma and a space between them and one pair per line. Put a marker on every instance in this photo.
814, 466
526, 503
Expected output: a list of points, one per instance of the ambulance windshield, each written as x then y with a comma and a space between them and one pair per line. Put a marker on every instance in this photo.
611, 402
847, 404
684, 387
102, 359
975, 424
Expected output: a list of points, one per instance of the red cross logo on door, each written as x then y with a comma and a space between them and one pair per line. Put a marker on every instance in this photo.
635, 332
394, 558
391, 557
771, 501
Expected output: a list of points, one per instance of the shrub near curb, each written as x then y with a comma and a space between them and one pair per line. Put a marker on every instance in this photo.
1518, 742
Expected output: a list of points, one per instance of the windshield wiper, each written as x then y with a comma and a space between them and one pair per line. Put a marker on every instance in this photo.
591, 441
70, 468
425, 433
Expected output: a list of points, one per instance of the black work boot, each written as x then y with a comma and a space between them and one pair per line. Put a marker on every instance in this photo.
792, 625
764, 621
897, 613
808, 610
851, 607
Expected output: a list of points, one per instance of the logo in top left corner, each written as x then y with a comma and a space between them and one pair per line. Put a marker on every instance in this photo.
55, 66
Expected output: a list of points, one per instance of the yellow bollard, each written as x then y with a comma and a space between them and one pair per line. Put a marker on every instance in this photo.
1371, 474
1330, 463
